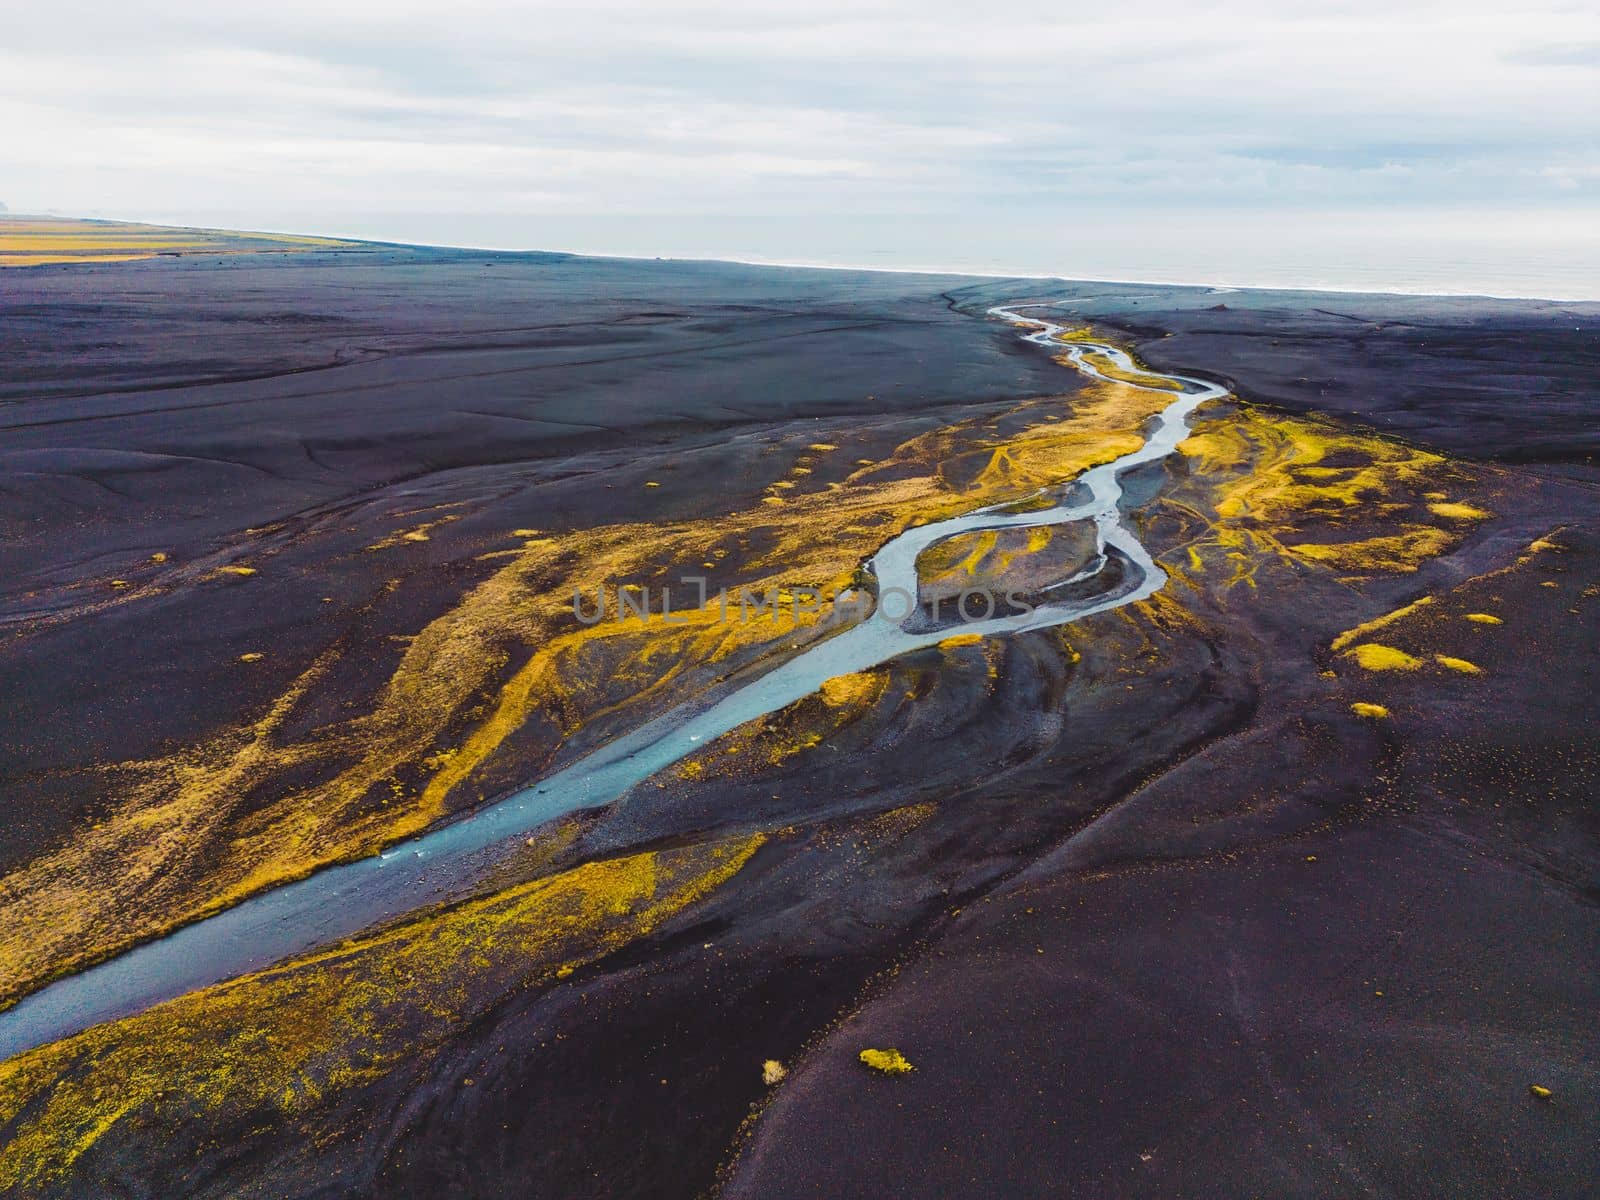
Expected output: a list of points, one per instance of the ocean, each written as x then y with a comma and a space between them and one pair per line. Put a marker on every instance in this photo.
1542, 254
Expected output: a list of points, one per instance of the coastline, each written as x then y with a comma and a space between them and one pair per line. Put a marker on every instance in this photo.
1001, 270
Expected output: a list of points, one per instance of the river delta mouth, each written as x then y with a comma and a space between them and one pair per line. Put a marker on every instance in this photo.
1130, 890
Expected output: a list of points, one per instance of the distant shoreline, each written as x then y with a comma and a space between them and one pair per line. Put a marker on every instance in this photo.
1134, 278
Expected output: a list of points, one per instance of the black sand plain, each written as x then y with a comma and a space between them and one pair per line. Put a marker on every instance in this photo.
1148, 906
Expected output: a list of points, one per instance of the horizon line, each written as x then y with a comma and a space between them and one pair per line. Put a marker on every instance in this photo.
1202, 285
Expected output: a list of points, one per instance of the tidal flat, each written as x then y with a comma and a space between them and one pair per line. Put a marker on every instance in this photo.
1279, 879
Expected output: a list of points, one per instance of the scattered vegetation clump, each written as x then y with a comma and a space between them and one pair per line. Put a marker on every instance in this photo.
1459, 512
1374, 657
887, 1062
1377, 623
416, 533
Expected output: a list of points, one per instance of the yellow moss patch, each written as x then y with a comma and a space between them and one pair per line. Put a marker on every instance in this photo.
1289, 487
1391, 553
1032, 463
960, 639
268, 1047
436, 762
1374, 657
889, 1062
416, 533
1362, 709
859, 687
1458, 664
1360, 631
1459, 512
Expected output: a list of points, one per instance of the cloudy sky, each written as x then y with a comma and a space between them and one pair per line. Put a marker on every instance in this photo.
925, 133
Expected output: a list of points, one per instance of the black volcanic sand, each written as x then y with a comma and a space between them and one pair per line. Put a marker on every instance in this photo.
285, 413
1148, 907
1508, 380
1312, 959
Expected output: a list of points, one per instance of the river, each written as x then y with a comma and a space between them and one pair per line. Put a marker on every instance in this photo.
340, 901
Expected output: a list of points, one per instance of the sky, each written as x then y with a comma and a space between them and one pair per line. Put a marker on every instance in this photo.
1231, 142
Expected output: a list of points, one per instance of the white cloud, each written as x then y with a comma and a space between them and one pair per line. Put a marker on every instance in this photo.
820, 108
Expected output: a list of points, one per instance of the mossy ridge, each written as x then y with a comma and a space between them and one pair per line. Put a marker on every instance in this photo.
1285, 487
